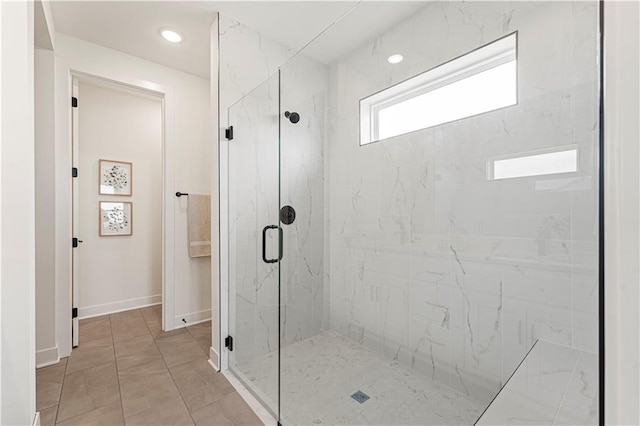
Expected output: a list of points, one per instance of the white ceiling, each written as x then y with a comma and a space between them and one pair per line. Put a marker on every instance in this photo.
133, 26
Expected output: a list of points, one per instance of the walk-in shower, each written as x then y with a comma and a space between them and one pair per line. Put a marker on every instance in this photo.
422, 237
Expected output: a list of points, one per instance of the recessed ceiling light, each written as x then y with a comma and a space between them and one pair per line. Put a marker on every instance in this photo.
395, 59
171, 36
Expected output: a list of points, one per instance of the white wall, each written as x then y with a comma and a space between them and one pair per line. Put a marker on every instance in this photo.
187, 164
46, 345
116, 273
622, 211
17, 216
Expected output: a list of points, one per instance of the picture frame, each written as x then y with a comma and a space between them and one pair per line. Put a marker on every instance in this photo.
115, 218
115, 178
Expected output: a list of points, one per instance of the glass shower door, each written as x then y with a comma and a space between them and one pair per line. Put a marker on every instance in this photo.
254, 241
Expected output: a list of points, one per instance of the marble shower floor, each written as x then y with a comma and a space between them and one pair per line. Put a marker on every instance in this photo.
320, 374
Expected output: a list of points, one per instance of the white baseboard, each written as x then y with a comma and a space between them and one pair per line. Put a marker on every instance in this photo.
123, 305
214, 359
213, 366
192, 318
47, 357
36, 419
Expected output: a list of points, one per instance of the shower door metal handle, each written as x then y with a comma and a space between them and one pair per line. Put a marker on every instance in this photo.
264, 244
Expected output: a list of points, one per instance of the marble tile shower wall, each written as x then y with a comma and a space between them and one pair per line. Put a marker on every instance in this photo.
253, 204
248, 62
304, 87
248, 75
247, 59
432, 263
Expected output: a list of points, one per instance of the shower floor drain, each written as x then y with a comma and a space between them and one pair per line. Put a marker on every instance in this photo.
360, 396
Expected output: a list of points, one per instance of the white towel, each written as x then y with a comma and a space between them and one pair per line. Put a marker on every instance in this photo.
199, 224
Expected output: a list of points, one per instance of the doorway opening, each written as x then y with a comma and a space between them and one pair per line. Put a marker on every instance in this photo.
117, 209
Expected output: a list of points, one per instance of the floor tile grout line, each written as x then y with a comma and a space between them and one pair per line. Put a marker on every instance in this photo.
84, 370
233, 392
66, 367
194, 337
40, 370
108, 317
64, 379
217, 400
171, 375
181, 396
115, 357
212, 402
118, 370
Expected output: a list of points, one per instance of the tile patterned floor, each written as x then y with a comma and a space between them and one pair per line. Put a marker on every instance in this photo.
128, 371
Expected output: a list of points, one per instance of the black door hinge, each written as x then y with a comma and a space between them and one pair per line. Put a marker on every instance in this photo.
74, 242
74, 313
228, 342
228, 133
74, 102
74, 172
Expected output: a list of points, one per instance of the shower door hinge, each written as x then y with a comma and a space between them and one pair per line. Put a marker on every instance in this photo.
74, 313
74, 102
228, 133
228, 342
74, 172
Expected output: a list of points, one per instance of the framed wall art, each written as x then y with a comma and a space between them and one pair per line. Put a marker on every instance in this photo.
115, 178
115, 218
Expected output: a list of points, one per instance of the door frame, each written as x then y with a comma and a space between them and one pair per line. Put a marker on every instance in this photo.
65, 76
75, 202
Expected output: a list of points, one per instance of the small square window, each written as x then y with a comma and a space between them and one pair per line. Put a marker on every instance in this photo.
481, 81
